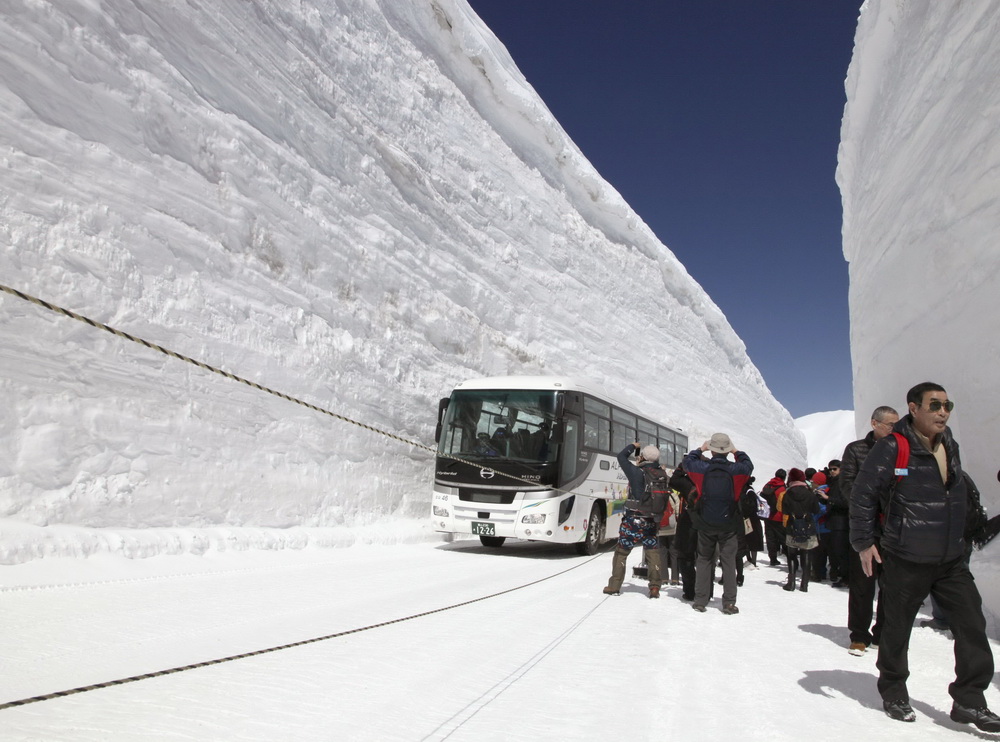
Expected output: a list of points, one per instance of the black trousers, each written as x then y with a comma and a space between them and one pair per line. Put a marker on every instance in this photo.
775, 532
906, 584
686, 567
819, 556
860, 601
840, 550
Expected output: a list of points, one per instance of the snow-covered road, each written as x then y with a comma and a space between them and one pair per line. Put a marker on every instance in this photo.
552, 659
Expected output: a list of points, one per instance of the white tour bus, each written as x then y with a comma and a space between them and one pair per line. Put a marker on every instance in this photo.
536, 458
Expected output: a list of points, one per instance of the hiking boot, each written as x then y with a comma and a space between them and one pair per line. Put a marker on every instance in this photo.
857, 648
612, 590
730, 609
982, 717
900, 710
840, 583
654, 591
699, 608
688, 598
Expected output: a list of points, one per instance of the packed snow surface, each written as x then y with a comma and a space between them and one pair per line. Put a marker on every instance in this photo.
529, 648
358, 204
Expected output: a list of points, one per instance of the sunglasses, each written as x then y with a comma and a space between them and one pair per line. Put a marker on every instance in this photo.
935, 405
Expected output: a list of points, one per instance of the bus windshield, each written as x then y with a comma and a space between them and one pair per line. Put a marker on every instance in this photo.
488, 423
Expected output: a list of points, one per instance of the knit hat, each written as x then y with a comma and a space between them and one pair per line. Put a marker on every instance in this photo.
819, 478
650, 453
796, 475
720, 443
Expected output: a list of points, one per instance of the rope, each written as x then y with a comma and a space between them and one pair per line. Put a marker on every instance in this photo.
260, 387
204, 366
245, 655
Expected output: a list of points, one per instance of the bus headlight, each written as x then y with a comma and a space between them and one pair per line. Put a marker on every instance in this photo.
440, 512
534, 519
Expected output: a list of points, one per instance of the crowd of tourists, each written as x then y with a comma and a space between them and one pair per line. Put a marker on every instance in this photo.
895, 517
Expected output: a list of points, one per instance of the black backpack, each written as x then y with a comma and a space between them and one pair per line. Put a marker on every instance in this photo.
801, 528
654, 498
717, 503
770, 495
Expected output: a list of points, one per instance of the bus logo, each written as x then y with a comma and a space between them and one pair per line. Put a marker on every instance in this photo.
487, 473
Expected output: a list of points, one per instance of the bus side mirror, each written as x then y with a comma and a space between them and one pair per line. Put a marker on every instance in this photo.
442, 408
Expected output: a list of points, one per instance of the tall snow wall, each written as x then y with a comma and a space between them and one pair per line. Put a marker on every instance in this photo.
919, 171
920, 176
355, 202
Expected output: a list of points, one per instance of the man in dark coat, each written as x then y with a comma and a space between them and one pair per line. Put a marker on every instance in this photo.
923, 502
862, 587
686, 538
716, 515
839, 522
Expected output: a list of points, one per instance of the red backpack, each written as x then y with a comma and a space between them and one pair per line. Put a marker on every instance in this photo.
901, 470
668, 518
902, 456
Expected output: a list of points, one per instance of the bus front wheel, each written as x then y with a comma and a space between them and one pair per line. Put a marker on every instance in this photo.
494, 542
595, 533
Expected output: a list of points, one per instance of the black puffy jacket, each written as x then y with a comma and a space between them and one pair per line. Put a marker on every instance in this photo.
850, 463
838, 507
924, 518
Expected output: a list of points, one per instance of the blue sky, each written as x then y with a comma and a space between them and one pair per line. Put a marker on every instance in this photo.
719, 122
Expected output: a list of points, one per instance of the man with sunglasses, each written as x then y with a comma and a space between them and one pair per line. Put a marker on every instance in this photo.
923, 503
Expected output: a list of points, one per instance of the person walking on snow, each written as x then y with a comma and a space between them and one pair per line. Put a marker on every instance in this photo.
862, 587
922, 499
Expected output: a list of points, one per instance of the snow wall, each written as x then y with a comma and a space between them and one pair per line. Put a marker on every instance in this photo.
356, 202
919, 171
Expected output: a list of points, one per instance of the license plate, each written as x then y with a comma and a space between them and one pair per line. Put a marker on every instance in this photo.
483, 529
